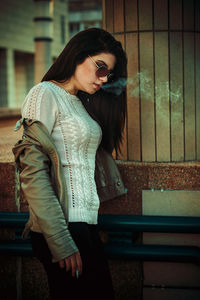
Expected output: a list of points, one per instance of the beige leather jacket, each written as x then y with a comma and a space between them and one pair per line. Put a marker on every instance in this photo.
43, 185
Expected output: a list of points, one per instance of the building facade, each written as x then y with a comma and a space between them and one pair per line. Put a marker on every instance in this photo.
32, 34
21, 26
84, 14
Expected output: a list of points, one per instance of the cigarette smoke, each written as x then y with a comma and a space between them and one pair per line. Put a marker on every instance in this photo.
115, 87
163, 94
142, 85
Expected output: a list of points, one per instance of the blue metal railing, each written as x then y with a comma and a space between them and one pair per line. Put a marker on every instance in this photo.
150, 223
121, 229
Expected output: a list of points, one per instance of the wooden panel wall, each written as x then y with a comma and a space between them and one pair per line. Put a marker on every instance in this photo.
162, 41
176, 97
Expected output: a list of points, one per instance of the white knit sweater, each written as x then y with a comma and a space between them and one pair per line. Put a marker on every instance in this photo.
76, 136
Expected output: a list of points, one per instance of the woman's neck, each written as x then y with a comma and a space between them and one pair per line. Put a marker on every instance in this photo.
68, 85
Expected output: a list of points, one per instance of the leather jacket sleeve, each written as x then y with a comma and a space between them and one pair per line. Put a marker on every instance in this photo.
108, 179
34, 168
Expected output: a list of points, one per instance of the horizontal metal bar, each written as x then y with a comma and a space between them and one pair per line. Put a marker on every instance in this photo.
122, 222
16, 248
153, 252
150, 223
13, 219
120, 250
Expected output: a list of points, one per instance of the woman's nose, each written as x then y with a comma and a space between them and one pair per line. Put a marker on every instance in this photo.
104, 78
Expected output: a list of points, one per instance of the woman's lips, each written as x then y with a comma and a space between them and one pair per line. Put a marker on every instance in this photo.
97, 86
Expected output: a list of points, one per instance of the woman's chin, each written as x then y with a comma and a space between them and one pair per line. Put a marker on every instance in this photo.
91, 90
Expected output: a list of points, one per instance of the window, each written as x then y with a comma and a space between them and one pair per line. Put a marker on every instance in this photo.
74, 27
62, 27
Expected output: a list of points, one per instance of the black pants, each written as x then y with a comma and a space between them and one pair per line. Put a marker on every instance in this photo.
94, 283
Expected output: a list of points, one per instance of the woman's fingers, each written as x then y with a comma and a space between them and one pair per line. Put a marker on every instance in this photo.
62, 264
72, 262
79, 263
67, 263
76, 264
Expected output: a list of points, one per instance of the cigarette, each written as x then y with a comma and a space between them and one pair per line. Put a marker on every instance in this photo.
77, 274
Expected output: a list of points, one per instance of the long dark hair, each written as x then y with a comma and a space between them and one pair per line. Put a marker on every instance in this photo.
108, 105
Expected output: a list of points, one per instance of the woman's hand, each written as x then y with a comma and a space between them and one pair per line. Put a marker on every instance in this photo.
72, 262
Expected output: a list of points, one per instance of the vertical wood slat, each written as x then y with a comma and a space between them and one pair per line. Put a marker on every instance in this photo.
188, 15
175, 12
109, 16
162, 96
197, 15
160, 15
133, 101
147, 96
118, 16
189, 97
197, 75
197, 72
176, 97
145, 15
104, 24
131, 15
123, 155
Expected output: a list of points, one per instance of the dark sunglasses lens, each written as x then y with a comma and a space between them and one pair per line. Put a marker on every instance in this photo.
111, 77
102, 71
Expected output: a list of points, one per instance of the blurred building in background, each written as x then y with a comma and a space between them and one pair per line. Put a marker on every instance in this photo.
32, 34
84, 14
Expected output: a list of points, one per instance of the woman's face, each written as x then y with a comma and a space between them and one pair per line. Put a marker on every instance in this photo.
85, 77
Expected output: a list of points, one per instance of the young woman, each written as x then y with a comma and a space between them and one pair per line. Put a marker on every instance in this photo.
75, 113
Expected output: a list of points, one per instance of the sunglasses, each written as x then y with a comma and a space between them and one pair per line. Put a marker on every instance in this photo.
102, 70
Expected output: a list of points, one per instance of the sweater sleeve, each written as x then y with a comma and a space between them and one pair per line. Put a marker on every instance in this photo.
40, 104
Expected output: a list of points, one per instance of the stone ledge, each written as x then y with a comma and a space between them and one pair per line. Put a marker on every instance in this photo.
6, 112
136, 176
